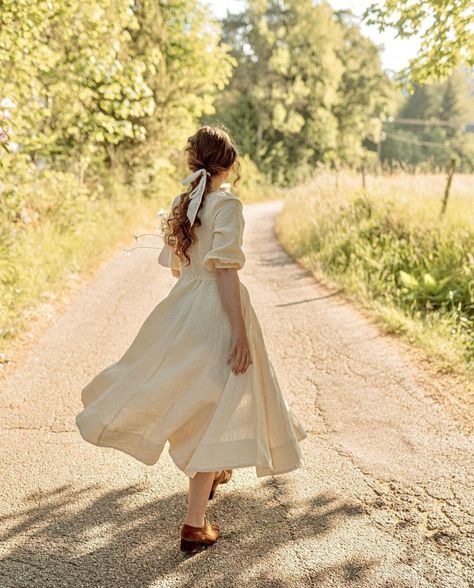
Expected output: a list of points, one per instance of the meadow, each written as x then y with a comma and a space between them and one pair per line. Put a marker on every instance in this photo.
388, 248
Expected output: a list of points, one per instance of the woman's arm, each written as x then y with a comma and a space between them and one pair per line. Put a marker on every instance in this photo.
228, 284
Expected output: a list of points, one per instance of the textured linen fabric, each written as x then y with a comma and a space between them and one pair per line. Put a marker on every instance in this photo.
173, 383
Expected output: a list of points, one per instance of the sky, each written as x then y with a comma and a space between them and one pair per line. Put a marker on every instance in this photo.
395, 52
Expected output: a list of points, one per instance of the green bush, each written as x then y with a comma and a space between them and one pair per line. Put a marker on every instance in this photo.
392, 254
252, 187
60, 227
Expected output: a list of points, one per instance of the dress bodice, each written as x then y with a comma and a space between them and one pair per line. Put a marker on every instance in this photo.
220, 238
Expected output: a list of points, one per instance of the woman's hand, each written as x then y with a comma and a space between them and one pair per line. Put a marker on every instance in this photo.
229, 289
239, 352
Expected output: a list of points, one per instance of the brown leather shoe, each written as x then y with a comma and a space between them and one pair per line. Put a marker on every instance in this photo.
195, 538
222, 478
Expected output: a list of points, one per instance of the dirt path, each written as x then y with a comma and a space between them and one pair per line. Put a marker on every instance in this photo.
385, 499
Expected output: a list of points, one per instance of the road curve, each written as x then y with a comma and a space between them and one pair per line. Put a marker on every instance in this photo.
385, 499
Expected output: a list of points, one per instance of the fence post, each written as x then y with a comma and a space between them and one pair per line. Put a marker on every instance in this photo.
452, 167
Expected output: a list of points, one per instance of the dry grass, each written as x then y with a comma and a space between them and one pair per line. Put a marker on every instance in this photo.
388, 248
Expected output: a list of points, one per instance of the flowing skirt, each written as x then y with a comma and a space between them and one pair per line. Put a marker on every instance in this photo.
173, 384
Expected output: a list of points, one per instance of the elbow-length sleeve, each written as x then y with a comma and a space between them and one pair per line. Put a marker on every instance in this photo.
167, 256
228, 228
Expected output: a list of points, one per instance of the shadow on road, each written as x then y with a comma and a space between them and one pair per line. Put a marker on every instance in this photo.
315, 299
126, 537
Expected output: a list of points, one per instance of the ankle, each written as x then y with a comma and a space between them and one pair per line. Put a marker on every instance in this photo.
194, 522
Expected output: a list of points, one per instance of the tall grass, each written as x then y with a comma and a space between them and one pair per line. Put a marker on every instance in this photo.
59, 229
387, 246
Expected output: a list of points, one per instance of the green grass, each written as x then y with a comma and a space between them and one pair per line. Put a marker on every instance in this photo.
60, 231
387, 247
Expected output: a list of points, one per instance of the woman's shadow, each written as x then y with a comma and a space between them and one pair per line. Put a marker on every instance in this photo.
129, 538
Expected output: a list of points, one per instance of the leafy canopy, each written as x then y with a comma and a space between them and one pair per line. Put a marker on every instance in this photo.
446, 28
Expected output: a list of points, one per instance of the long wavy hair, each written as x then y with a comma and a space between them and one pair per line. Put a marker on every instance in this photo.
210, 148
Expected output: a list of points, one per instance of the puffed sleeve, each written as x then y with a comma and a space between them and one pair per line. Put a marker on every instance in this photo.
167, 256
228, 228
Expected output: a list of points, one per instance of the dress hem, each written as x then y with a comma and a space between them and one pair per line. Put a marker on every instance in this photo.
94, 431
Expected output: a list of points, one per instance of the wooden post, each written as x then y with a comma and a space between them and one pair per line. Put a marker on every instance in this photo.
452, 167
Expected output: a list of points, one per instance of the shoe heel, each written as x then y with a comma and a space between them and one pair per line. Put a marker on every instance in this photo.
190, 546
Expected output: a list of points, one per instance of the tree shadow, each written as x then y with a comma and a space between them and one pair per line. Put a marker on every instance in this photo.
281, 260
277, 260
315, 299
118, 538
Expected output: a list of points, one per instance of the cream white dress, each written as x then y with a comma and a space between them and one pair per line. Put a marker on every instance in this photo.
173, 383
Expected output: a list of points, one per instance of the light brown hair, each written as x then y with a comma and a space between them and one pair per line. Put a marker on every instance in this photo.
210, 148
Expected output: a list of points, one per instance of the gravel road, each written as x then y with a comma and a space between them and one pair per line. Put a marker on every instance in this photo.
385, 498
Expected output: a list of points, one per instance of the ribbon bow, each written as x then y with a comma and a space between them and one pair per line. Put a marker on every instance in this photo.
195, 197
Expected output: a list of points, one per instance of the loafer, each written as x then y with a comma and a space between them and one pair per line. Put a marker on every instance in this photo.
222, 478
197, 538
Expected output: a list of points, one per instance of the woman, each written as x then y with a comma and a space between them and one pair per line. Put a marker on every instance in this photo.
197, 373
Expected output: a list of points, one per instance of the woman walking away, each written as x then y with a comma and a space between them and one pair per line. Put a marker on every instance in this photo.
197, 373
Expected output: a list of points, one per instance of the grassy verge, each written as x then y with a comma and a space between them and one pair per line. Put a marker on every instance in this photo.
63, 231
388, 249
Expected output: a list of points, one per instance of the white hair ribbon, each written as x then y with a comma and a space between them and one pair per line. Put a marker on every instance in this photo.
196, 195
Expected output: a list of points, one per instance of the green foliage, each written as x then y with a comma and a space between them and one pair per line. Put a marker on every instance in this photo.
185, 67
419, 268
96, 100
443, 109
69, 72
63, 229
365, 95
252, 186
86, 75
387, 247
308, 87
445, 27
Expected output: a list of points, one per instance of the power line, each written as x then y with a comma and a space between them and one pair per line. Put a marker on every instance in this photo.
419, 142
421, 121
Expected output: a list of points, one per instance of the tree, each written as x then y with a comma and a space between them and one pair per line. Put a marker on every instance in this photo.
185, 67
298, 95
90, 84
106, 80
443, 110
365, 94
68, 71
445, 26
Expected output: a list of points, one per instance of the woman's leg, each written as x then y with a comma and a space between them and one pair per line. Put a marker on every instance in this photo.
199, 489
